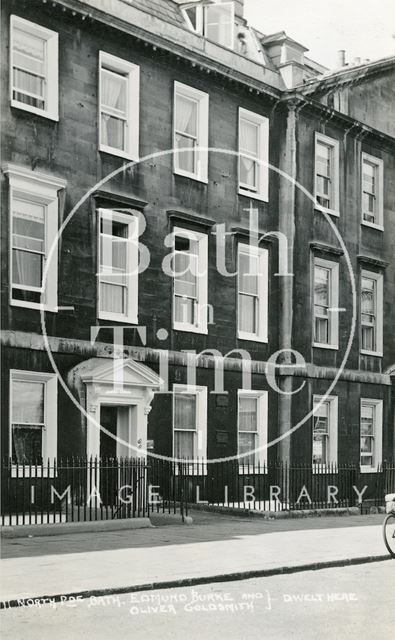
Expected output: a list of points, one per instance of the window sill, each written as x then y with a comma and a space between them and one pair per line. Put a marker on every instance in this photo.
372, 225
377, 354
189, 328
368, 469
251, 337
253, 195
34, 305
192, 176
39, 112
118, 153
332, 347
331, 212
118, 318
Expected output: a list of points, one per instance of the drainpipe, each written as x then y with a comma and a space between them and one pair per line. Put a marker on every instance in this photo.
286, 286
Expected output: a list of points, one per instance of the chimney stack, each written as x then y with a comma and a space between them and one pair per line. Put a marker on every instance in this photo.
341, 58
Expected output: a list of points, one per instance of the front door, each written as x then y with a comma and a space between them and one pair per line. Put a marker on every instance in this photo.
115, 470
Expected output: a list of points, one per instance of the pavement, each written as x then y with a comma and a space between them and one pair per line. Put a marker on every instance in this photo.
216, 547
350, 603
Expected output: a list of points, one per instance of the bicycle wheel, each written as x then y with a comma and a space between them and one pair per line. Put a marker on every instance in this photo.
389, 533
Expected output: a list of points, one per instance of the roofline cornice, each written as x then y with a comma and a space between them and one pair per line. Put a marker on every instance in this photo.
155, 41
298, 101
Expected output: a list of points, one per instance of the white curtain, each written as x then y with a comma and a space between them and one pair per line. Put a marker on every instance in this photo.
186, 116
248, 145
28, 235
185, 421
29, 53
113, 96
28, 402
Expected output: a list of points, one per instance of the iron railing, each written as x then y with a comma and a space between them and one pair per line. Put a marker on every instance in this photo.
81, 489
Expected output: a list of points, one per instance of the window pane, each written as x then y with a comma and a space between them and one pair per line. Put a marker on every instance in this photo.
248, 172
247, 442
28, 402
186, 160
192, 15
219, 27
29, 69
249, 137
320, 449
185, 411
184, 310
323, 160
368, 339
248, 273
248, 414
321, 330
112, 298
367, 445
27, 268
321, 286
27, 444
186, 115
184, 444
368, 296
248, 314
113, 132
28, 225
113, 91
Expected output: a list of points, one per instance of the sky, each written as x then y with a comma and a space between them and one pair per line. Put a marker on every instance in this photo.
364, 28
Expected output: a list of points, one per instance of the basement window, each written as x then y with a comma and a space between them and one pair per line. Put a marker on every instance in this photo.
214, 21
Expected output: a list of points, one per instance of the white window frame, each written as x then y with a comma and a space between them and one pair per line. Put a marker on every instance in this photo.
50, 430
202, 100
132, 222
334, 209
51, 60
201, 20
262, 398
200, 458
379, 279
202, 282
262, 177
379, 166
333, 311
377, 435
132, 73
40, 189
263, 292
332, 431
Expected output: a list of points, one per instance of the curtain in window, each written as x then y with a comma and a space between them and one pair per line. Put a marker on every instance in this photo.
248, 293
28, 236
113, 270
321, 304
248, 147
321, 435
186, 132
184, 425
219, 23
248, 427
27, 444
113, 117
27, 412
29, 68
367, 434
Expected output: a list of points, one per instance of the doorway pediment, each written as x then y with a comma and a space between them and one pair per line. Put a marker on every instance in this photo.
97, 371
